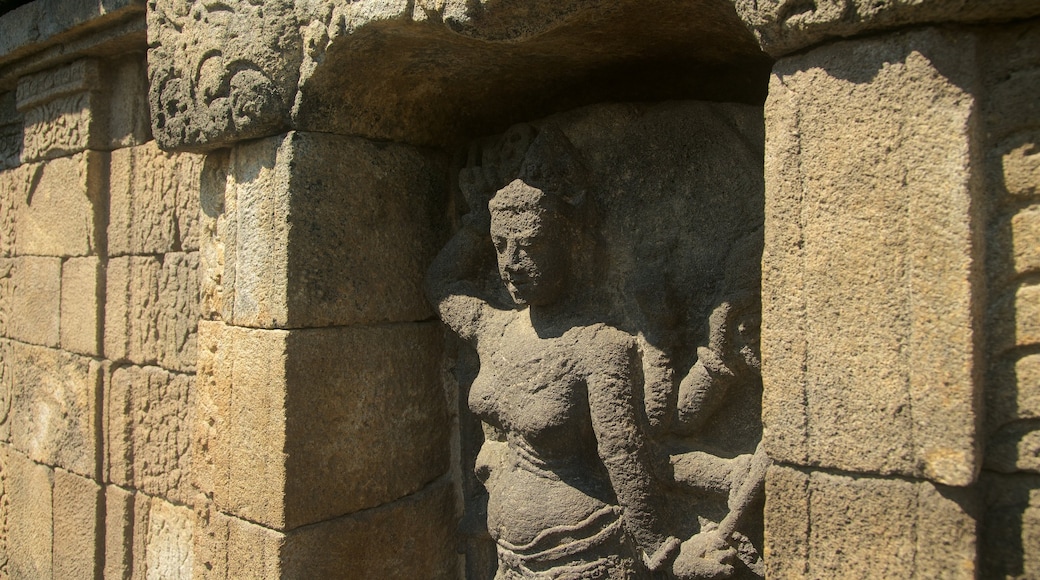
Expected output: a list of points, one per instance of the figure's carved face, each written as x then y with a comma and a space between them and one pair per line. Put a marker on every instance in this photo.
530, 243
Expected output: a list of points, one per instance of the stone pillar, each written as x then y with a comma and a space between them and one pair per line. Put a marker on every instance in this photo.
898, 272
321, 427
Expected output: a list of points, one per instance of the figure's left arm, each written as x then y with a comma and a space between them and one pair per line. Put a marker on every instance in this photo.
623, 446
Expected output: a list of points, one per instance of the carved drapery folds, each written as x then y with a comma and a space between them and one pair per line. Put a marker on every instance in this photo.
617, 339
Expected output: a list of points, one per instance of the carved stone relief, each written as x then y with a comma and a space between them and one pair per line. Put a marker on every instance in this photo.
606, 275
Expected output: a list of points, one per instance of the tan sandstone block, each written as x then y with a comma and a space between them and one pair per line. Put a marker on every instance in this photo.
132, 309
210, 544
5, 503
179, 311
36, 300
154, 201
6, 294
81, 300
54, 407
1013, 392
314, 390
210, 445
218, 237
10, 186
822, 525
119, 533
874, 176
6, 379
77, 526
252, 551
58, 211
149, 431
165, 537
63, 111
332, 230
786, 549
369, 544
31, 518
1015, 318
1011, 526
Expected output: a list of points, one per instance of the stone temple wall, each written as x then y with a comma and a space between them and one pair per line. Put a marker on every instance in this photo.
263, 315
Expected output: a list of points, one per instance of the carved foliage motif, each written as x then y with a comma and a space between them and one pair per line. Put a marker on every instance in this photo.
607, 277
220, 67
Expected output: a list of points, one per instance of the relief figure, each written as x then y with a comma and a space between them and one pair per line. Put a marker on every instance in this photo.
575, 482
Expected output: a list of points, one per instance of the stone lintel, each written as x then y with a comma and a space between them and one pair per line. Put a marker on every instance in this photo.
786, 26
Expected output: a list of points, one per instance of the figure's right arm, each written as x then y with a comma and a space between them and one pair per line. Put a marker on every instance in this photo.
453, 282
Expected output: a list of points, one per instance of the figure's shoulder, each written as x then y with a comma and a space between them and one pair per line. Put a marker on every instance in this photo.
606, 346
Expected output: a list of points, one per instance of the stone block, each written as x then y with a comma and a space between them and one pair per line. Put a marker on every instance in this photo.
333, 230
1015, 320
179, 311
824, 525
370, 544
10, 187
64, 113
211, 458
54, 406
149, 431
164, 536
871, 282
6, 378
132, 309
211, 540
125, 91
10, 135
154, 201
58, 205
36, 300
119, 533
30, 527
786, 550
218, 227
82, 284
782, 27
5, 504
6, 294
282, 448
1010, 526
78, 517
1013, 392
1014, 447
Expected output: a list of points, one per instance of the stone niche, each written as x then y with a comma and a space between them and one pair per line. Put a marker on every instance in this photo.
611, 426
609, 361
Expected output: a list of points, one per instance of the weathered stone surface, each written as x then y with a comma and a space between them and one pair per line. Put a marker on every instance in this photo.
332, 230
132, 309
5, 507
149, 431
1013, 392
6, 378
218, 238
163, 539
821, 525
82, 285
10, 134
63, 111
785, 26
154, 201
285, 55
1010, 526
1015, 318
54, 406
78, 506
179, 311
881, 134
368, 544
36, 300
211, 460
10, 186
787, 523
39, 24
6, 294
29, 543
57, 205
125, 91
119, 533
271, 435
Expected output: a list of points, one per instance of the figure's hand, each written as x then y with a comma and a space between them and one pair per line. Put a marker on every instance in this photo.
705, 556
